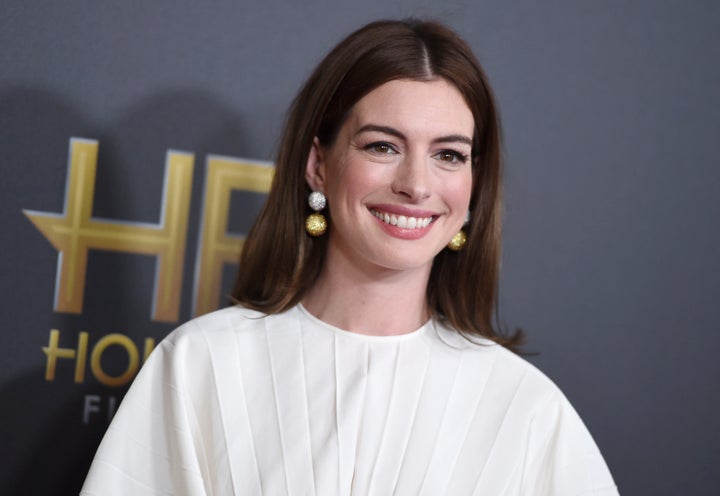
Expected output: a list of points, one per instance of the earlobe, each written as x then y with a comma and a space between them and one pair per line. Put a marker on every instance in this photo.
315, 167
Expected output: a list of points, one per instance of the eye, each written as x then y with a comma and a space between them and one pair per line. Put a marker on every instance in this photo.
381, 148
451, 156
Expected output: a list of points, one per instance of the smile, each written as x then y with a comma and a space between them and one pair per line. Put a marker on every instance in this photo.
402, 221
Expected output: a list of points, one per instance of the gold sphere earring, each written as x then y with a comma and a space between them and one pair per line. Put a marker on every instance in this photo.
315, 223
458, 241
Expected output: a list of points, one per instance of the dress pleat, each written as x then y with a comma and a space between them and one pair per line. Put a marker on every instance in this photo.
377, 398
240, 403
410, 374
321, 397
288, 372
463, 405
351, 364
441, 375
262, 410
223, 412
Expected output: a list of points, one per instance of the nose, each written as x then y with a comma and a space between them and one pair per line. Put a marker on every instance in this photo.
412, 179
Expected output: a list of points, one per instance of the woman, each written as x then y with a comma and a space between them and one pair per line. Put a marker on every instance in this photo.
361, 356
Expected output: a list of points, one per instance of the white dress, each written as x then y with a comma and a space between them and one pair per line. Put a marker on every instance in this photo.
239, 403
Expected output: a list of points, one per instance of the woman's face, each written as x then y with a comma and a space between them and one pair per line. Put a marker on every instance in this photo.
398, 177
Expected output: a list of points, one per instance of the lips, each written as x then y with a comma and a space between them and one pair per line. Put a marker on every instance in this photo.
402, 221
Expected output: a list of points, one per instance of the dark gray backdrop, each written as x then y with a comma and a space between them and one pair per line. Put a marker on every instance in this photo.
611, 112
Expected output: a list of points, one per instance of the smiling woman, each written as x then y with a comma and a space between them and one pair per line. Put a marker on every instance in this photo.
402, 153
461, 287
360, 356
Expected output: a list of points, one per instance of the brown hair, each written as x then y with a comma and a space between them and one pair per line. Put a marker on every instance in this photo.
280, 262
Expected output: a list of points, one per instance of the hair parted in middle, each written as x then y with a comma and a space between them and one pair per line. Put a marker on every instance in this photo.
280, 262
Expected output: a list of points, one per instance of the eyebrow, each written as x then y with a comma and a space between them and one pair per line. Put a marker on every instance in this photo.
452, 138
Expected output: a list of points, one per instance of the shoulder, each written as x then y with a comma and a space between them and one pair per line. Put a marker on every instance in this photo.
198, 341
505, 369
217, 324
229, 327
560, 454
203, 350
518, 388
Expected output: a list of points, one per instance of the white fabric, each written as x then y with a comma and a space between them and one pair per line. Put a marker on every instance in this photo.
238, 403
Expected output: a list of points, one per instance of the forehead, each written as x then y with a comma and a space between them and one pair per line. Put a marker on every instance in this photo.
434, 107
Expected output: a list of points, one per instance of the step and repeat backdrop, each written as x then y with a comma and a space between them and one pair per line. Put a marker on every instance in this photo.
136, 148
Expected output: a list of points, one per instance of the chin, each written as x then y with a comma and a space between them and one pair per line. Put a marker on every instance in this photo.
399, 261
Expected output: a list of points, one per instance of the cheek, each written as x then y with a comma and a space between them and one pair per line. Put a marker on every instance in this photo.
358, 181
459, 189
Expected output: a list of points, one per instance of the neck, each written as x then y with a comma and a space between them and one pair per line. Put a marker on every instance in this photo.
366, 300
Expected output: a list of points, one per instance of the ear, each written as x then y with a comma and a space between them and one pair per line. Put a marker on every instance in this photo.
315, 167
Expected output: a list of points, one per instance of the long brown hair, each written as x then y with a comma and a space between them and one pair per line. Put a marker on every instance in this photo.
280, 262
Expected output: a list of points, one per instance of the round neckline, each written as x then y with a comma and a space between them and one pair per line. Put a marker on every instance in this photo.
420, 331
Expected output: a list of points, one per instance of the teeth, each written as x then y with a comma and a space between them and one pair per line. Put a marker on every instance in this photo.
403, 221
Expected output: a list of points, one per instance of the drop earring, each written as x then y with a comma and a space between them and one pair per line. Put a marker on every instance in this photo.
316, 224
458, 241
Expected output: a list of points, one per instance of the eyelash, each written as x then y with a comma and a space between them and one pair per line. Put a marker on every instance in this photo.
457, 157
454, 155
373, 147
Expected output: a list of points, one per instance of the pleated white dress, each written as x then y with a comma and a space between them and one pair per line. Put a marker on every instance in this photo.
238, 403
